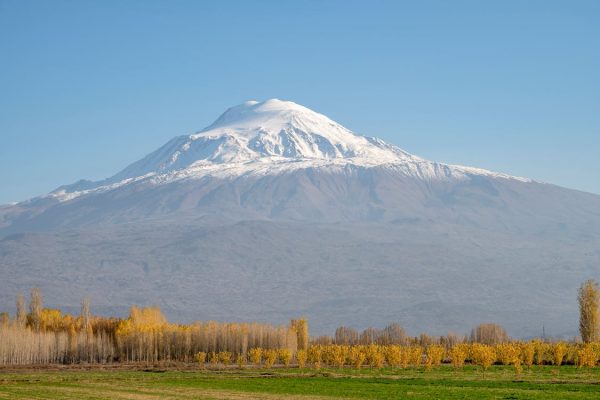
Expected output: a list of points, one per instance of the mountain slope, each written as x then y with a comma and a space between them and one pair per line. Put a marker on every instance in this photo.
275, 210
275, 147
432, 277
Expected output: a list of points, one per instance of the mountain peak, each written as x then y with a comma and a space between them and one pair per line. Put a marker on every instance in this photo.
272, 114
268, 132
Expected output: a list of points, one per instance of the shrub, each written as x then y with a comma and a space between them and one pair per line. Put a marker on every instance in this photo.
357, 356
200, 358
458, 354
528, 353
225, 357
541, 349
255, 355
270, 357
508, 353
285, 356
587, 355
393, 355
375, 356
404, 356
483, 355
338, 355
301, 357
240, 360
434, 355
415, 356
559, 350
314, 356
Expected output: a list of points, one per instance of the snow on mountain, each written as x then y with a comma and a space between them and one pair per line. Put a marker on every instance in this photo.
269, 137
275, 211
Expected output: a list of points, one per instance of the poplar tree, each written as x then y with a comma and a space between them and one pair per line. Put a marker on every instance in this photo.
85, 313
300, 326
35, 309
589, 321
21, 311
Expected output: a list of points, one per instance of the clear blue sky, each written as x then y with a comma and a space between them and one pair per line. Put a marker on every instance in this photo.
86, 87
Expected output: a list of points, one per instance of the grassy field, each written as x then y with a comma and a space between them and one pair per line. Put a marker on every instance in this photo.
441, 383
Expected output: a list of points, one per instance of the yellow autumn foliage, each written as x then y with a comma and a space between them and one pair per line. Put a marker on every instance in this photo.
315, 355
559, 350
458, 354
527, 353
200, 358
255, 355
588, 354
225, 357
270, 357
433, 356
357, 356
393, 355
483, 355
301, 357
285, 356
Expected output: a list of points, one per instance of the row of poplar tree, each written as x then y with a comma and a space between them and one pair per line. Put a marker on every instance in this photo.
38, 335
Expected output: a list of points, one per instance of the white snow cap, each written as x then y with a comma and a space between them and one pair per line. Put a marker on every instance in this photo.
277, 128
271, 131
271, 137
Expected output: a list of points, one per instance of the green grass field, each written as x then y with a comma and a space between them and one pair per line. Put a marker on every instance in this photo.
442, 383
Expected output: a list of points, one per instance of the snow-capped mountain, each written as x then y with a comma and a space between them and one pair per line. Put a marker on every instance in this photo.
269, 138
275, 211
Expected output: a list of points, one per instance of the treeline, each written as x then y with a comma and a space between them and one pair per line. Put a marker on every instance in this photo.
23, 346
147, 336
488, 333
486, 345
38, 335
516, 354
